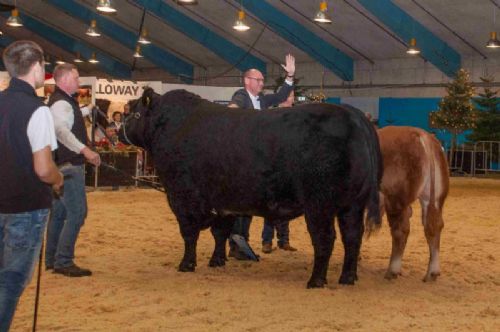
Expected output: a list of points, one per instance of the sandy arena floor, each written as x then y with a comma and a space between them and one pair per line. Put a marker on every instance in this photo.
132, 243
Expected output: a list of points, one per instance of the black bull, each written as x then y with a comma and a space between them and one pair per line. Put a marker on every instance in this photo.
215, 162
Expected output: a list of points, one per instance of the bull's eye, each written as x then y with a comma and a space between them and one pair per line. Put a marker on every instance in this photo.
137, 115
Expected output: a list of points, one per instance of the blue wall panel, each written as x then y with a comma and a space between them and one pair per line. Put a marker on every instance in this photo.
413, 112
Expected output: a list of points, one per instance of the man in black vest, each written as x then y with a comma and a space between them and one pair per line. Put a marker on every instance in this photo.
69, 211
27, 172
251, 97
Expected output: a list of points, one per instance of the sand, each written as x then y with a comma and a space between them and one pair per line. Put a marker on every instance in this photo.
132, 243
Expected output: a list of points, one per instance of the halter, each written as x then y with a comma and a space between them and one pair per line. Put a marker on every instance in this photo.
137, 116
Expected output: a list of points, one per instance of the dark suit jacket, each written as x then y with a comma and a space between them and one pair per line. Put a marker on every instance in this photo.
242, 98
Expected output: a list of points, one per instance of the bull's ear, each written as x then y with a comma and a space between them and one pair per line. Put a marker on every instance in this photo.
147, 96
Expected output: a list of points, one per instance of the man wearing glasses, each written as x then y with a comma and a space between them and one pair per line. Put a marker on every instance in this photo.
251, 97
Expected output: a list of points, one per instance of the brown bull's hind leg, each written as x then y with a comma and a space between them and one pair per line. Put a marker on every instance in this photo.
400, 228
432, 218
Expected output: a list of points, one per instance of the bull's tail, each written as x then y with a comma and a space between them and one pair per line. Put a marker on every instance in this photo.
373, 219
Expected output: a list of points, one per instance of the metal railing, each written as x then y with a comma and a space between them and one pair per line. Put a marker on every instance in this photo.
486, 157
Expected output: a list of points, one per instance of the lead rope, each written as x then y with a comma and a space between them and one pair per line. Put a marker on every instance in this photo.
38, 282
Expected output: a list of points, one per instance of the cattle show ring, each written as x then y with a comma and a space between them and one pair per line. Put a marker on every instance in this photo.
132, 241
249, 165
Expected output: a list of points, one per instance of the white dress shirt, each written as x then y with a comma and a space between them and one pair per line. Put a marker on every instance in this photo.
62, 113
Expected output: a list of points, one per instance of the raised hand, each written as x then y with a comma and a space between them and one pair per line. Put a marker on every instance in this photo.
289, 67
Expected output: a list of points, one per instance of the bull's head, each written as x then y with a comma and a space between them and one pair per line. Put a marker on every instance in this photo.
133, 130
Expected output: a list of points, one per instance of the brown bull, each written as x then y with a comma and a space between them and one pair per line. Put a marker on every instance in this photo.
414, 167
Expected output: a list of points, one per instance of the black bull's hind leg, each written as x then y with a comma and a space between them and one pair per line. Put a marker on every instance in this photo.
351, 228
221, 229
322, 232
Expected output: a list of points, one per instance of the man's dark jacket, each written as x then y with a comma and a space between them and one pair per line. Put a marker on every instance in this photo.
242, 98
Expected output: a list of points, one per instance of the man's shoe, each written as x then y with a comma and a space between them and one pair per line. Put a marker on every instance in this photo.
236, 253
287, 247
73, 271
267, 248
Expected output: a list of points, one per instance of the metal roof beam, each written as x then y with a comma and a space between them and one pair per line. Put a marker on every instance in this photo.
106, 62
406, 27
329, 56
238, 57
155, 54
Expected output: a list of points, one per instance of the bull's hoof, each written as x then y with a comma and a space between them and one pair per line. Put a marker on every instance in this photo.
348, 279
431, 276
216, 261
389, 275
316, 283
187, 267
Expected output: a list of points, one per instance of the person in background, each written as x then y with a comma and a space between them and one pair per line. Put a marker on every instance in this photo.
117, 121
282, 226
251, 97
126, 110
70, 210
27, 172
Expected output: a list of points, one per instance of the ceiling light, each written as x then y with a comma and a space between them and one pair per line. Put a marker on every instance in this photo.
240, 24
105, 6
143, 39
60, 62
93, 59
14, 20
92, 30
493, 42
412, 48
322, 16
187, 2
47, 61
78, 59
137, 53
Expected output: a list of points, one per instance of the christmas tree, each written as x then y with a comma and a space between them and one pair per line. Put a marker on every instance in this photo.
456, 112
488, 115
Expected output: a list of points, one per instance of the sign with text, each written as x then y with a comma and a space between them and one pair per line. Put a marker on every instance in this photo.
123, 90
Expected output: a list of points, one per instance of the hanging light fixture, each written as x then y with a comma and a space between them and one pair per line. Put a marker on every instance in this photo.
143, 39
14, 20
412, 48
93, 59
92, 30
78, 59
322, 16
187, 2
59, 61
240, 24
47, 60
493, 41
105, 6
137, 53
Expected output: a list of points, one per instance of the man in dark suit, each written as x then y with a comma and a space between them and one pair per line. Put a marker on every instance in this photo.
251, 97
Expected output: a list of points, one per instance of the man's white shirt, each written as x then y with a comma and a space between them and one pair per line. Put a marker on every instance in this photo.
62, 112
255, 99
41, 131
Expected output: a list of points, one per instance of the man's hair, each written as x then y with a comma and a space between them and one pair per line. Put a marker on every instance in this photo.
20, 56
61, 70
